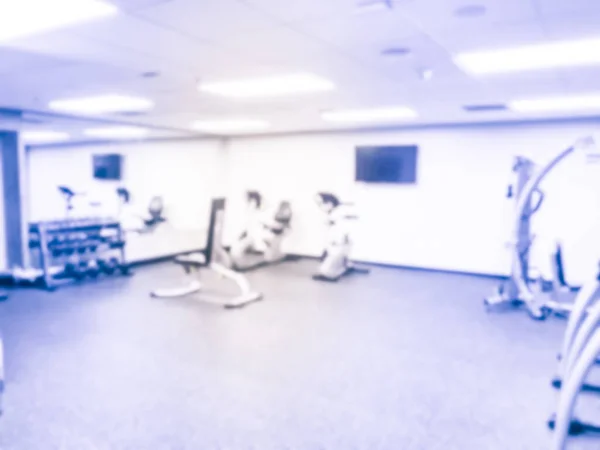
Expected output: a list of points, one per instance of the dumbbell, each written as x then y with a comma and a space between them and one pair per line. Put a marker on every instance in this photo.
93, 268
81, 270
106, 267
70, 269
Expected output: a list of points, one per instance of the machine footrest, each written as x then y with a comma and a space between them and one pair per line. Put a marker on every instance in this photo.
576, 427
589, 388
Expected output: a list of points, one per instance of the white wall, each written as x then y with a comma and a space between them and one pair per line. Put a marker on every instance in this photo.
3, 256
456, 217
187, 174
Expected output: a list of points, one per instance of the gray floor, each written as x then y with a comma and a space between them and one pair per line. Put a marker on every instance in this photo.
397, 360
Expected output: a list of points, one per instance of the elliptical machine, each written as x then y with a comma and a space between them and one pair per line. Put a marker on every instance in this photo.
519, 289
335, 262
260, 243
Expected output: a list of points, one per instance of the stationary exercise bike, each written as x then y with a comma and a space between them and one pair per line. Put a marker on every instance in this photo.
260, 243
521, 289
335, 262
154, 215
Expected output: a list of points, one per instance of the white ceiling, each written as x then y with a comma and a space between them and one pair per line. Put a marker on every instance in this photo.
191, 40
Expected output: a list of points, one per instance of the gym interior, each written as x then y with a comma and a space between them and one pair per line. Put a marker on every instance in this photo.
303, 224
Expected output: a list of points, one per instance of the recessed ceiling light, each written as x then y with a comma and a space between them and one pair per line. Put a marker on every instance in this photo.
390, 114
44, 136
230, 125
268, 87
470, 11
23, 18
372, 6
117, 132
558, 104
396, 52
102, 104
531, 57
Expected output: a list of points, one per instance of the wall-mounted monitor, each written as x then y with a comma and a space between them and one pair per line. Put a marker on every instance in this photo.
108, 166
387, 164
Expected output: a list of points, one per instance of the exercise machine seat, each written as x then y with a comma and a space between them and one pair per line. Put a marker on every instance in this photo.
192, 260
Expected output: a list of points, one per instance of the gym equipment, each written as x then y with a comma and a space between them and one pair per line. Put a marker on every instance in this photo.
1, 375
93, 270
76, 249
563, 423
215, 258
260, 244
336, 262
580, 326
68, 195
520, 289
155, 210
576, 361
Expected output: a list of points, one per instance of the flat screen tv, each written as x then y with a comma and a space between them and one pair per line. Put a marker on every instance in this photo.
108, 167
387, 164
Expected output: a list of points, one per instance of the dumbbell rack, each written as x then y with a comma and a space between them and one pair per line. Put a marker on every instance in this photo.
89, 240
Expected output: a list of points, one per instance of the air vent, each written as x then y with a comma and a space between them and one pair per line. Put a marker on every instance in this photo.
33, 121
485, 108
130, 113
396, 52
470, 11
150, 74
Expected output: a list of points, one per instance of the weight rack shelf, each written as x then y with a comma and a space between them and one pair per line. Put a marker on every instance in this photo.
78, 248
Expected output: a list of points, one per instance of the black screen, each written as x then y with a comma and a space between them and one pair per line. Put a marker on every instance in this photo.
388, 164
107, 167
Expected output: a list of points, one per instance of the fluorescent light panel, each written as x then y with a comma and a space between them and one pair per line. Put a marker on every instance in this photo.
44, 136
557, 104
531, 57
230, 125
269, 87
117, 132
22, 18
102, 104
390, 114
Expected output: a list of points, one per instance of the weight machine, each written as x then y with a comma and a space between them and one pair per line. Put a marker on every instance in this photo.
216, 259
519, 289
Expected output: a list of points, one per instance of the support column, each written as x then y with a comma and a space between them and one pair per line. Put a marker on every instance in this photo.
15, 233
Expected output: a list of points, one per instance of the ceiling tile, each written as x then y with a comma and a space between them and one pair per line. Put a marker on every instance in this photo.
64, 44
349, 30
136, 5
275, 45
526, 85
297, 11
572, 26
186, 55
208, 19
68, 80
489, 37
425, 53
559, 7
434, 15
582, 80
21, 62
